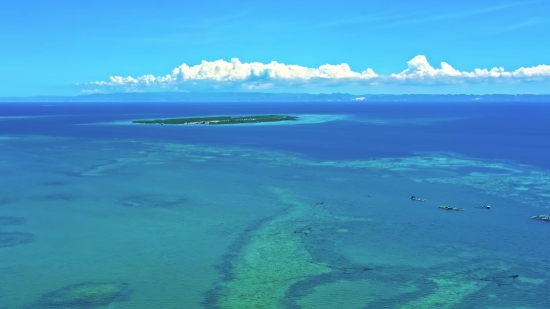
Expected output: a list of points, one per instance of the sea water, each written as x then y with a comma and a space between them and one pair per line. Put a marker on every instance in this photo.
96, 212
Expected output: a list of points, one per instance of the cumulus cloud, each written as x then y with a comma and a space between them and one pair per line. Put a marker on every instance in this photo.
419, 69
256, 75
252, 75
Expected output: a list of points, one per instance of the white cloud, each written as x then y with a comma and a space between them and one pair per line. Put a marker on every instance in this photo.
421, 70
237, 71
256, 75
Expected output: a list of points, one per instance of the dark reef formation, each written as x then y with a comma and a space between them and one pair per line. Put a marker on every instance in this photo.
12, 239
7, 220
84, 295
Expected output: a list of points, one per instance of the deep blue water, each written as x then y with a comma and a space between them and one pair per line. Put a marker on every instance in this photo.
310, 215
518, 132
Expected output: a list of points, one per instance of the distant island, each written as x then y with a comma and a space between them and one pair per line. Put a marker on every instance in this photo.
219, 120
256, 97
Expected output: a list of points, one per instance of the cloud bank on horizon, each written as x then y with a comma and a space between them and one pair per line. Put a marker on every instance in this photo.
256, 75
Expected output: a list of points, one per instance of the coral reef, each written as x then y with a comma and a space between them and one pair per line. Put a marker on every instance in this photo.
504, 179
84, 295
274, 257
152, 201
452, 287
8, 220
11, 239
271, 261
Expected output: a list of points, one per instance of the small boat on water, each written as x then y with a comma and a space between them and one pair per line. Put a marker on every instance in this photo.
414, 198
447, 207
542, 217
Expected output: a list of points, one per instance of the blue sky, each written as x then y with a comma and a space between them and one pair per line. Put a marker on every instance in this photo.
74, 47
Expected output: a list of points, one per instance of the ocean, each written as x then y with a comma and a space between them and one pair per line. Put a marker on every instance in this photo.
97, 212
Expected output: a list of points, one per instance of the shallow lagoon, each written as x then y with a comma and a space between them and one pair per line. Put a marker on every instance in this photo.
313, 215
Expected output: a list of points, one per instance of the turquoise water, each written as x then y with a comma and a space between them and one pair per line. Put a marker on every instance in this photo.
303, 216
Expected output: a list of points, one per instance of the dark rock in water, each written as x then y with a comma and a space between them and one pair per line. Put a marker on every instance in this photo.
85, 295
148, 201
11, 221
11, 239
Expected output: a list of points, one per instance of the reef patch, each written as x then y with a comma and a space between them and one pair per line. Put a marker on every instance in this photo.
152, 201
8, 220
85, 295
12, 239
273, 257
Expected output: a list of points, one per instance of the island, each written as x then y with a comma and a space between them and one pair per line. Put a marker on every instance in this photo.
219, 120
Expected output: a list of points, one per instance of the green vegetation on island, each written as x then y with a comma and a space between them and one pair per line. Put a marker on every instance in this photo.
219, 120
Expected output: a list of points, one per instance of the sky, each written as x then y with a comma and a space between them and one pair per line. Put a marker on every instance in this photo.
64, 47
